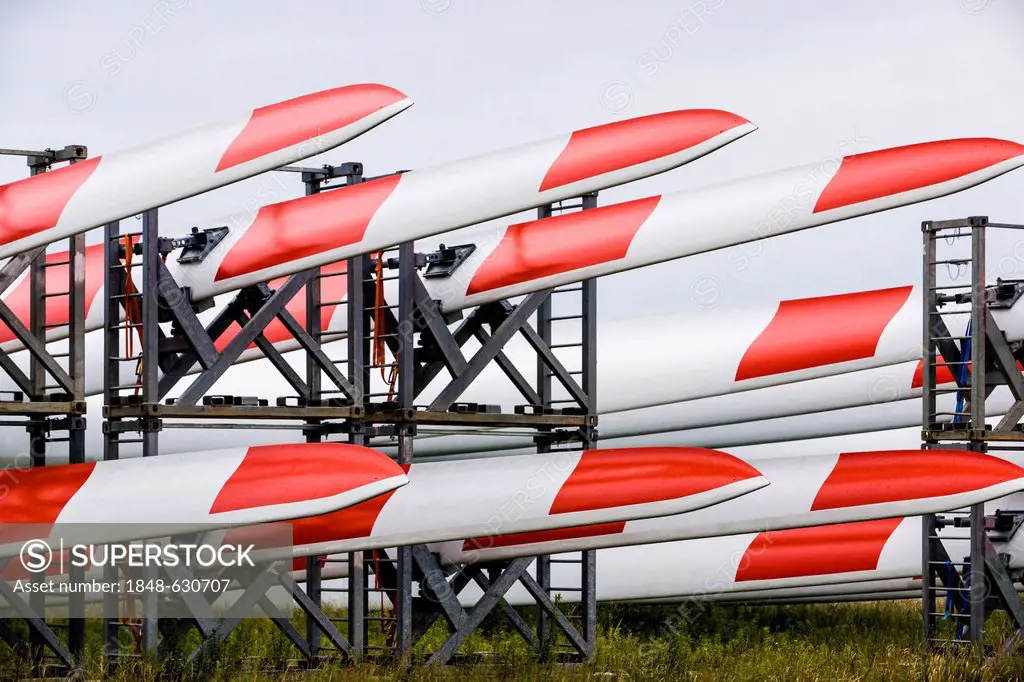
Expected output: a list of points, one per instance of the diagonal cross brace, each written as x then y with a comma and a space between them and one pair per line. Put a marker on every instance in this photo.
276, 359
547, 356
36, 347
544, 601
10, 367
191, 328
425, 619
196, 602
310, 345
289, 631
516, 321
35, 623
1003, 584
433, 321
514, 571
451, 608
445, 595
17, 265
518, 380
282, 366
257, 323
463, 333
254, 594
314, 611
183, 363
473, 327
517, 621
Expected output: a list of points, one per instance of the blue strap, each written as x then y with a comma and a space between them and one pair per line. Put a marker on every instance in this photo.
962, 374
963, 604
950, 592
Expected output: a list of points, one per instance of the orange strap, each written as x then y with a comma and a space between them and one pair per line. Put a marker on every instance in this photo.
389, 377
132, 309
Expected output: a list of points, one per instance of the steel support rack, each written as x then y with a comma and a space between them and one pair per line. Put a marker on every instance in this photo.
49, 396
337, 399
978, 358
424, 347
153, 338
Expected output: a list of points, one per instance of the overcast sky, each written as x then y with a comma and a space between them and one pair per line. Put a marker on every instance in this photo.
487, 75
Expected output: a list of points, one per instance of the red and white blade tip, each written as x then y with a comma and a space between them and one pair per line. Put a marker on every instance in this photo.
303, 118
305, 472
887, 172
613, 146
865, 478
604, 479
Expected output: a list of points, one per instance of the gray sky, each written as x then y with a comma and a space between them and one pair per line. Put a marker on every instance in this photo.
486, 75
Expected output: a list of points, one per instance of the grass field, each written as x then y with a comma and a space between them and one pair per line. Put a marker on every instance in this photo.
877, 641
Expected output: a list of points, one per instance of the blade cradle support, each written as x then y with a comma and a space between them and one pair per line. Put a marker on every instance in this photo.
351, 402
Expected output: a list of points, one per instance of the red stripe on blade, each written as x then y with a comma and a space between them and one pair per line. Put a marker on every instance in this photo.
34, 204
284, 474
37, 496
296, 120
551, 246
863, 177
819, 550
604, 479
555, 535
306, 226
613, 146
19, 300
862, 478
811, 332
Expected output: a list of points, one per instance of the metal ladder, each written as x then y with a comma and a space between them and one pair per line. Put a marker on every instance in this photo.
360, 313
378, 390
380, 583
948, 265
355, 273
321, 647
126, 640
566, 321
120, 273
41, 429
315, 183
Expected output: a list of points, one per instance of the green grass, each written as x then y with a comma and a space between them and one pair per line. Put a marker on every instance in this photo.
878, 641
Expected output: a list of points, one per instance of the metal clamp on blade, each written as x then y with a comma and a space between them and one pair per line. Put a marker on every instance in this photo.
1004, 524
1003, 294
199, 244
446, 260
